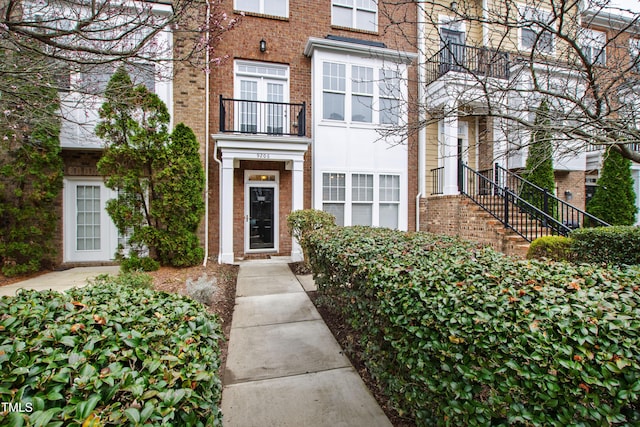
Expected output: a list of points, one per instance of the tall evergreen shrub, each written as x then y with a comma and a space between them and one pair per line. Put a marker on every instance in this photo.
614, 200
159, 176
539, 164
31, 173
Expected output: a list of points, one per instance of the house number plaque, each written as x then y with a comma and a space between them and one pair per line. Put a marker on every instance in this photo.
262, 155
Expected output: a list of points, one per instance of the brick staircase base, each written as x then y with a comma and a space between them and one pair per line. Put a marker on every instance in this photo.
459, 216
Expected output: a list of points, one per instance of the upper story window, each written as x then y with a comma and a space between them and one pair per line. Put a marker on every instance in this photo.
265, 7
333, 90
358, 14
533, 35
390, 96
93, 79
594, 46
634, 53
360, 94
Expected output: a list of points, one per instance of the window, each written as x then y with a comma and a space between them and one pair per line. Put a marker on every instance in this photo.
358, 14
362, 197
369, 199
634, 54
594, 46
389, 190
533, 36
265, 7
333, 90
263, 90
93, 79
334, 195
389, 97
88, 217
362, 94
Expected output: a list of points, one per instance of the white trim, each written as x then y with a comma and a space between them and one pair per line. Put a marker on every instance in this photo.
315, 43
108, 231
276, 209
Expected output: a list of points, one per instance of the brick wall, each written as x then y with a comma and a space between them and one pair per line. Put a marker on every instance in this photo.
573, 181
458, 216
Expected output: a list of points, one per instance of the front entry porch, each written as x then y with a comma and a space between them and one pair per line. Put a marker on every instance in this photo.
262, 181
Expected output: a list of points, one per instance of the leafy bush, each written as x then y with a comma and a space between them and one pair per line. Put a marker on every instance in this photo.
556, 248
303, 222
109, 355
134, 280
136, 263
203, 289
609, 245
159, 176
460, 335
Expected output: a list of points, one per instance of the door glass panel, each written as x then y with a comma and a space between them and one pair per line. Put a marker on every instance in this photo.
275, 112
248, 110
87, 217
452, 54
261, 218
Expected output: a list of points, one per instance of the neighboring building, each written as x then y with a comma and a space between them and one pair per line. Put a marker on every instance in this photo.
87, 233
296, 111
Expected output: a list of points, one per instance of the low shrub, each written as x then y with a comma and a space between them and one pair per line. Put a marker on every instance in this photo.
619, 245
460, 335
203, 289
109, 355
136, 263
302, 222
555, 248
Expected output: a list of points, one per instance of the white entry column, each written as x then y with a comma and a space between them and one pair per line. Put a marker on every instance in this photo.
226, 212
450, 151
297, 201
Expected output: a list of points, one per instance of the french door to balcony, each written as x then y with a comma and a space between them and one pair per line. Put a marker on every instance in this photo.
452, 56
263, 91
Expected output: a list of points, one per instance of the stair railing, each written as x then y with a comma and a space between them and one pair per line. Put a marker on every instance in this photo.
506, 204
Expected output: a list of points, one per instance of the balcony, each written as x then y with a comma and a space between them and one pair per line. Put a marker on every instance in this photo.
477, 61
262, 117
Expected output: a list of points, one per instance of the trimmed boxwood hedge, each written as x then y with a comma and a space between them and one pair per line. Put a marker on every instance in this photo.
460, 335
618, 245
106, 355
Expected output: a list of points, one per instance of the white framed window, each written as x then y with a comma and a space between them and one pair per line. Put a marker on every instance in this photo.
362, 199
533, 35
389, 195
263, 89
334, 87
358, 14
361, 94
334, 195
594, 46
390, 96
634, 53
265, 7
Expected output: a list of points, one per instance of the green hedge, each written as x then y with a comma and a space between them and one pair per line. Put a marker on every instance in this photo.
109, 355
555, 248
617, 245
460, 335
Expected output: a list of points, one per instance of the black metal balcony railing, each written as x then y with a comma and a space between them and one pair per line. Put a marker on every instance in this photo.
262, 117
478, 61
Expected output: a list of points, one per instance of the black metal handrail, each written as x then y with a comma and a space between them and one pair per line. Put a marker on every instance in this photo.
437, 180
262, 117
508, 207
480, 61
564, 212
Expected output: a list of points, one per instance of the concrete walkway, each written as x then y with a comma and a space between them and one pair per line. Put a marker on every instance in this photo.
284, 367
60, 280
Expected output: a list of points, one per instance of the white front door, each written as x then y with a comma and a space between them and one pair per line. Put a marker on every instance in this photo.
89, 233
261, 211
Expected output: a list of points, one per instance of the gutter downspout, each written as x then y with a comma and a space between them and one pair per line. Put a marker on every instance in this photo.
206, 143
422, 114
